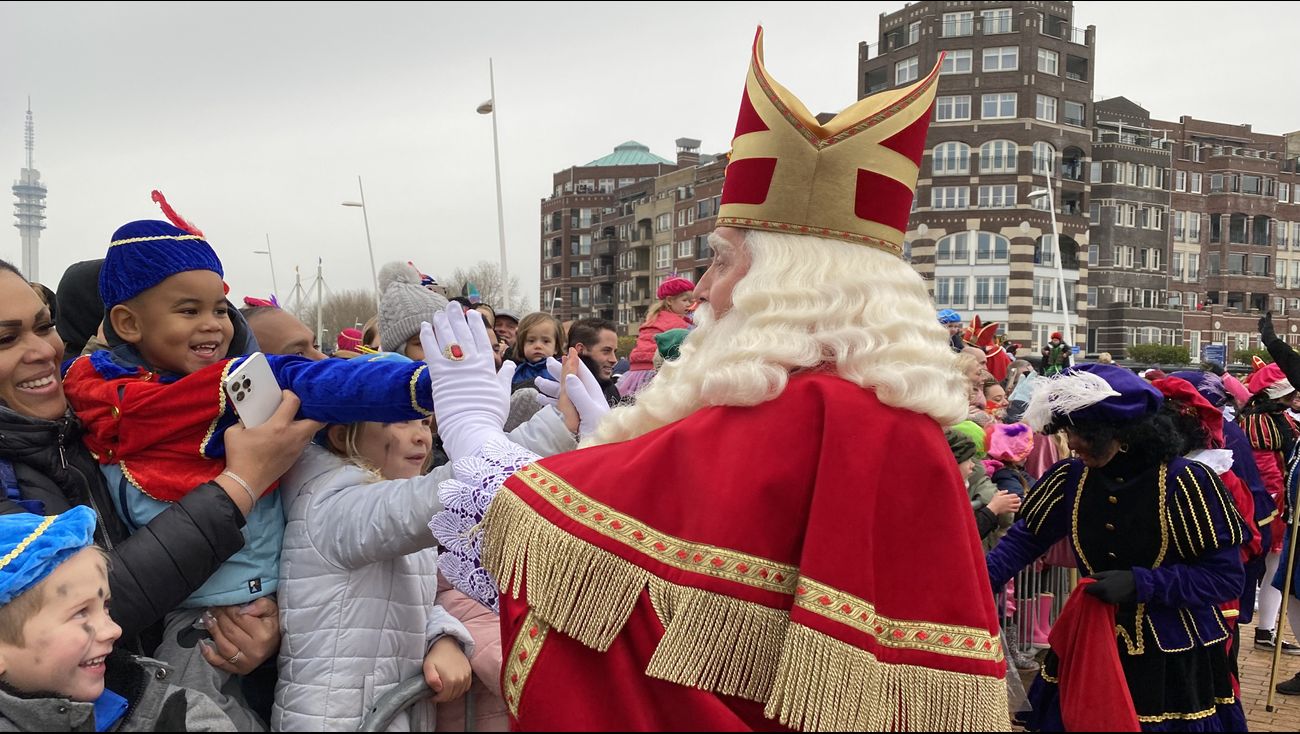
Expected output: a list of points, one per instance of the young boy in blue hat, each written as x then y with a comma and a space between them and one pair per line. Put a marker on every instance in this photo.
155, 411
58, 670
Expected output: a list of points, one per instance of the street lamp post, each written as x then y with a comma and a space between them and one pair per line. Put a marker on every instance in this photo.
275, 289
490, 108
365, 216
1056, 253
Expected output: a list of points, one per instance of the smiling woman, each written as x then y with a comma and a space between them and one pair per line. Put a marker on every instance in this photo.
29, 351
47, 470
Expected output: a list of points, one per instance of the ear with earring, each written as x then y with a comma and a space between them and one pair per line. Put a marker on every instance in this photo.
1123, 448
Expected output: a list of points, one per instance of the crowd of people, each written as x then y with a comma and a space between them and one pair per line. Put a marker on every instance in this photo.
803, 505
1166, 492
246, 559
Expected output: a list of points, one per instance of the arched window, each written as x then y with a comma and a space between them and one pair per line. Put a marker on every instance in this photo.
991, 248
1044, 158
951, 158
953, 249
998, 156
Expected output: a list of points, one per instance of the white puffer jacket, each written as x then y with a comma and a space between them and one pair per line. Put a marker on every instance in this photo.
358, 577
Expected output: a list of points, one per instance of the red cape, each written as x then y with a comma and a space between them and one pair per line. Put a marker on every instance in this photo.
750, 568
1094, 692
159, 433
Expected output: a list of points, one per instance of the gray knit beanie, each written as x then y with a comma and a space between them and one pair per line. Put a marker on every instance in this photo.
404, 303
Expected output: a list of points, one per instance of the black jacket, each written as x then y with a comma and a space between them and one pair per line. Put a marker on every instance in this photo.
151, 572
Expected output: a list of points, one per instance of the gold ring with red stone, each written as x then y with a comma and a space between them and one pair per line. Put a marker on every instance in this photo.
454, 353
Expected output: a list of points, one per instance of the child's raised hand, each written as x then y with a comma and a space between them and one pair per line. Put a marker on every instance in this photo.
447, 670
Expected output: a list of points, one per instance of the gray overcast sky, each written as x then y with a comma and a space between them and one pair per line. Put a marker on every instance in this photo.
256, 118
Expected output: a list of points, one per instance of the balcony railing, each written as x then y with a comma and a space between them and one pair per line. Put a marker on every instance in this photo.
1066, 33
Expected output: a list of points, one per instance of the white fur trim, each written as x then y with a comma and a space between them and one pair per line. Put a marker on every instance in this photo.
1220, 460
1278, 389
1064, 394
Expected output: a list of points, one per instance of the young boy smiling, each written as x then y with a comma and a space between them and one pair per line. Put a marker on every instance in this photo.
58, 671
155, 411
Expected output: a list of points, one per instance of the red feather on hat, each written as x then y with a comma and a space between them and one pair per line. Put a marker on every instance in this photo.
175, 218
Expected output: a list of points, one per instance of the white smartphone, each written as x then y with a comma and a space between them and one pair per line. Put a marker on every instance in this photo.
254, 392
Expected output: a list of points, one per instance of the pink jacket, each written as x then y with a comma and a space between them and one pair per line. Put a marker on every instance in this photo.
643, 355
485, 627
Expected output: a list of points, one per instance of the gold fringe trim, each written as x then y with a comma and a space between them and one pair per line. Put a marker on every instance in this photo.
729, 646
711, 641
716, 642
580, 590
826, 685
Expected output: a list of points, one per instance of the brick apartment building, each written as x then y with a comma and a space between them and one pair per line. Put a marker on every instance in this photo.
1013, 107
1177, 233
616, 228
1235, 232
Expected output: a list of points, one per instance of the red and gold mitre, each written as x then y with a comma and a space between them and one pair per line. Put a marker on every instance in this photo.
851, 179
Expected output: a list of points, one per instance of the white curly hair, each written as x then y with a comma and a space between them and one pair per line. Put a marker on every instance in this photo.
805, 302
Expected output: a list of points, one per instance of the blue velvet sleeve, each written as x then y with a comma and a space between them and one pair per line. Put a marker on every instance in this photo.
349, 390
1017, 549
1044, 519
1214, 578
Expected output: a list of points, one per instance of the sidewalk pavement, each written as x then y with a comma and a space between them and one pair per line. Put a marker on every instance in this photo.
1255, 667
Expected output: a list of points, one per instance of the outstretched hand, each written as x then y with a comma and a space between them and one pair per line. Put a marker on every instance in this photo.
1267, 333
468, 398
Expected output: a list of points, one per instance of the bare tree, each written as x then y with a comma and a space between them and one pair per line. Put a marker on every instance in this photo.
486, 277
338, 312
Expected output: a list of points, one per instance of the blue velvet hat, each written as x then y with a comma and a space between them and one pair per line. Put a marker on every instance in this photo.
144, 253
949, 316
1091, 393
1208, 384
32, 546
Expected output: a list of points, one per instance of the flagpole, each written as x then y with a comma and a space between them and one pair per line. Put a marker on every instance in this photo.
501, 222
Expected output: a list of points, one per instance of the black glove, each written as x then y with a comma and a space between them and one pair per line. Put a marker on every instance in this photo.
1114, 587
1267, 334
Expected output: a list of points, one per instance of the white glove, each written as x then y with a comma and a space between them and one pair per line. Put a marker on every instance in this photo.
583, 390
469, 399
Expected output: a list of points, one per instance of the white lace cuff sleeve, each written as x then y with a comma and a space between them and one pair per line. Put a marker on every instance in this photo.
465, 499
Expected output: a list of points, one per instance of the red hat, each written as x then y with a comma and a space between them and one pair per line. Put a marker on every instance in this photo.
1189, 399
1057, 336
349, 339
1268, 378
674, 286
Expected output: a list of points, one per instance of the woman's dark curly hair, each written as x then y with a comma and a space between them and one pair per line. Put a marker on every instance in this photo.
1157, 437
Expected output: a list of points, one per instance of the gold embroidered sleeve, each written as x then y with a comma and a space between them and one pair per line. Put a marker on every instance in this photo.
1046, 498
1201, 515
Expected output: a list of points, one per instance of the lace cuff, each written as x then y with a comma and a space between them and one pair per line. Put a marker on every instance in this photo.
465, 499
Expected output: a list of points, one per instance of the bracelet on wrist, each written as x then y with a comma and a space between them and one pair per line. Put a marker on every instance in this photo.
240, 481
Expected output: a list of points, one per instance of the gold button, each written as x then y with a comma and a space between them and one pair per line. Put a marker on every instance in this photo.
116, 413
1110, 527
1113, 500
